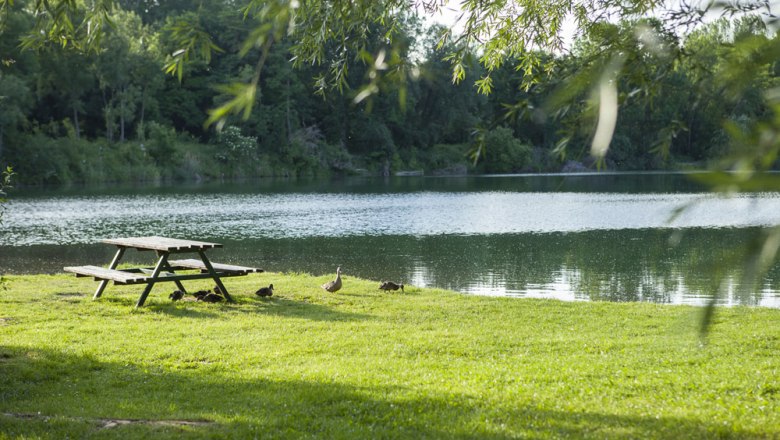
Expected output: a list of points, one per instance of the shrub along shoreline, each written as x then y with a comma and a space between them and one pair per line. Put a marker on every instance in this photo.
168, 157
363, 363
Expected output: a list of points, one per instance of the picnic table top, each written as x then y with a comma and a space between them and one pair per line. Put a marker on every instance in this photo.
160, 243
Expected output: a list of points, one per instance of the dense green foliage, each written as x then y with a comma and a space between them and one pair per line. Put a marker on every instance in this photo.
6, 177
112, 115
362, 363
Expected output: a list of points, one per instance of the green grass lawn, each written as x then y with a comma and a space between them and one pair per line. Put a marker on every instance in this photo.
362, 363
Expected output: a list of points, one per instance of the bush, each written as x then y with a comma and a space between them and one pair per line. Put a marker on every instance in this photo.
448, 158
234, 146
5, 183
308, 154
38, 161
161, 143
47, 161
503, 153
372, 137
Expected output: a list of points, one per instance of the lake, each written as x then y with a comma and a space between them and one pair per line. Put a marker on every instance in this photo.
617, 237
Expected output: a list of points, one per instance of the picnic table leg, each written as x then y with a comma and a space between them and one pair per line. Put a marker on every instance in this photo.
113, 265
214, 275
178, 283
162, 262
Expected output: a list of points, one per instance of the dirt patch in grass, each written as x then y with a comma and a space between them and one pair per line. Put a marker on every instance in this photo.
113, 423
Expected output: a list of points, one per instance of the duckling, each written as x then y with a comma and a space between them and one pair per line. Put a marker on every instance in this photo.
200, 294
211, 298
176, 295
335, 285
266, 291
389, 285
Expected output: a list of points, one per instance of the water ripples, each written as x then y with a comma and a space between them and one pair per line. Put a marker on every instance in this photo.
61, 220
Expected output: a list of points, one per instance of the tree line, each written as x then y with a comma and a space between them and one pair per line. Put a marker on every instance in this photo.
72, 116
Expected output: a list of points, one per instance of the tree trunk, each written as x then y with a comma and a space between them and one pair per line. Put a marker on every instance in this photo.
289, 124
76, 122
122, 109
107, 115
691, 120
141, 131
121, 126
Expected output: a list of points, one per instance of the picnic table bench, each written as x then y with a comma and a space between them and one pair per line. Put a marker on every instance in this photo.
165, 270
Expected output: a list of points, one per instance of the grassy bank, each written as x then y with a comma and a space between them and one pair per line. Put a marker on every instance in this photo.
362, 363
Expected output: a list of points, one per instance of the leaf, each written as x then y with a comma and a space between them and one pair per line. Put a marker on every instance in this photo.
242, 101
485, 85
458, 73
560, 147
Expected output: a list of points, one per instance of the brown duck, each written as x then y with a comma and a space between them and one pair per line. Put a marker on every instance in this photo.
389, 285
211, 298
265, 291
335, 285
200, 294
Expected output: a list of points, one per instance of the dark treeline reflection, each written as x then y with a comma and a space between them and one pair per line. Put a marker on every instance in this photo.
633, 183
665, 266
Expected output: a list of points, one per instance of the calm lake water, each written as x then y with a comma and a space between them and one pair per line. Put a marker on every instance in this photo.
616, 237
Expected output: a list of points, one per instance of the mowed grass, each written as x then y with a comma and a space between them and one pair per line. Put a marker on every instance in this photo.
362, 363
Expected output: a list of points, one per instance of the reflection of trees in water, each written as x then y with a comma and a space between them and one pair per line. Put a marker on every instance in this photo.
628, 265
625, 265
643, 265
631, 265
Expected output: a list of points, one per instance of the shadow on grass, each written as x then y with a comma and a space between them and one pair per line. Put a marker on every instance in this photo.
272, 306
295, 309
244, 304
70, 295
179, 310
48, 394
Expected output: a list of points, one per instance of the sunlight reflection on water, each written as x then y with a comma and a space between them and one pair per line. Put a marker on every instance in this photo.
87, 219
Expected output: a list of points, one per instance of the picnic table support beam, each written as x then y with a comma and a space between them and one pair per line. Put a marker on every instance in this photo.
162, 262
214, 275
114, 263
178, 283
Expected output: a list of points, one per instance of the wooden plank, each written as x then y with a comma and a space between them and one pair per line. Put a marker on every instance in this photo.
126, 277
156, 243
198, 264
101, 273
151, 272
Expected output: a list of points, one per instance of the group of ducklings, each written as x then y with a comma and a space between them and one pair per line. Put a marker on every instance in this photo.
330, 286
216, 296
201, 295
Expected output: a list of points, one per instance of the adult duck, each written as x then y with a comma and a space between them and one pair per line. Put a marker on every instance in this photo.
266, 291
335, 285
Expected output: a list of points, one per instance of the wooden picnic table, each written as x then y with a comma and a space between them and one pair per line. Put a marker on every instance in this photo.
165, 269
